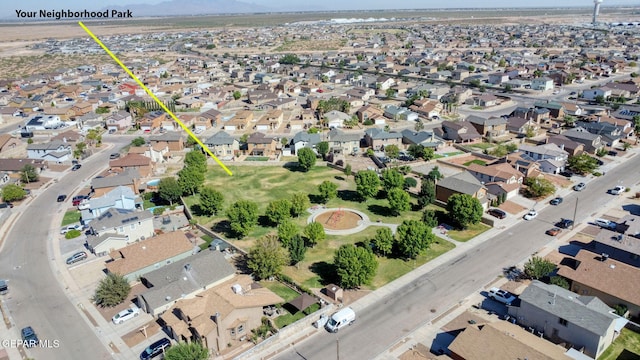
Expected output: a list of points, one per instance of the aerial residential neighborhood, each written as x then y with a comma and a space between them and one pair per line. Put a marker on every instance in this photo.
400, 185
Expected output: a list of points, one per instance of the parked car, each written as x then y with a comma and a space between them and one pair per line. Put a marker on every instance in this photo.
155, 349
76, 167
497, 213
580, 186
502, 296
68, 228
125, 315
554, 231
613, 153
566, 174
530, 215
607, 224
78, 199
29, 337
556, 201
114, 156
5, 205
617, 190
79, 256
62, 198
564, 223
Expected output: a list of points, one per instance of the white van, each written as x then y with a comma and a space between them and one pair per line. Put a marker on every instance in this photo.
340, 319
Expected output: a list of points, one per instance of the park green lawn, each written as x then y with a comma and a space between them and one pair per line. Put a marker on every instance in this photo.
469, 233
70, 217
629, 341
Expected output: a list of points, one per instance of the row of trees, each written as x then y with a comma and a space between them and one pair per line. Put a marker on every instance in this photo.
190, 180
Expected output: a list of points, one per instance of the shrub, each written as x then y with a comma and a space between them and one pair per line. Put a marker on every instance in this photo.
72, 234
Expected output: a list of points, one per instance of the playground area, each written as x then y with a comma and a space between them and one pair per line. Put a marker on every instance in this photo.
339, 219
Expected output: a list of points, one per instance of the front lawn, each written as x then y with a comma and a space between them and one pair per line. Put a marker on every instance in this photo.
469, 233
256, 158
628, 342
70, 217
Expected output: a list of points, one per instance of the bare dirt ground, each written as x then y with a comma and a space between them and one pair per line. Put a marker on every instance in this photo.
339, 220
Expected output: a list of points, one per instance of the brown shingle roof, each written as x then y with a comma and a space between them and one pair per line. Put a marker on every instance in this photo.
147, 252
130, 160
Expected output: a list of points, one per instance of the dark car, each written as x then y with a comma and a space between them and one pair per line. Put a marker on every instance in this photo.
5, 205
556, 201
566, 174
76, 167
29, 337
62, 198
497, 213
565, 223
155, 349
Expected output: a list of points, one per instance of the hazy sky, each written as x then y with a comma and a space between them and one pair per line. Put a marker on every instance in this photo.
8, 8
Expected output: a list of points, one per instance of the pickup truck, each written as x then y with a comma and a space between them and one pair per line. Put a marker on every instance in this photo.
502, 296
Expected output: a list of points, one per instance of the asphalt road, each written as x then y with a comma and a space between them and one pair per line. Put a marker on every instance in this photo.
37, 298
387, 322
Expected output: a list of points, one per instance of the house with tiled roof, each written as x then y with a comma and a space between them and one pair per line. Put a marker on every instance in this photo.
458, 132
610, 133
378, 139
240, 121
139, 258
609, 280
173, 140
371, 113
116, 228
303, 139
501, 172
591, 142
183, 279
560, 315
152, 120
121, 197
10, 145
207, 119
222, 316
258, 144
121, 120
223, 145
343, 143
141, 163
493, 126
55, 151
427, 139
571, 147
129, 178
502, 340
461, 183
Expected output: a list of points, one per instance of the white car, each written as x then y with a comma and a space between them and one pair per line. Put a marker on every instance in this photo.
69, 228
617, 190
502, 296
125, 315
607, 224
530, 215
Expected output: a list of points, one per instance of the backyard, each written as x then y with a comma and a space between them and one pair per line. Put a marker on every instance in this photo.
624, 347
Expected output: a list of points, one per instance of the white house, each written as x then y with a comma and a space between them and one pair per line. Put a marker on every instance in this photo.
116, 228
592, 94
542, 83
121, 197
56, 151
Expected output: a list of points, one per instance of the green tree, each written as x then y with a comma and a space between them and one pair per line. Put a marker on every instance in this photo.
190, 179
93, 137
367, 184
314, 232
297, 249
243, 217
435, 174
299, 203
111, 291
399, 201
392, 151
12, 192
323, 148
383, 241
347, 169
289, 59
429, 218
416, 150
187, 351
390, 93
538, 187
267, 257
328, 190
279, 210
537, 268
582, 164
355, 266
237, 95
139, 141
169, 190
560, 281
306, 158
409, 182
29, 174
427, 193
464, 209
511, 148
599, 99
79, 151
392, 179
197, 160
286, 231
413, 237
211, 201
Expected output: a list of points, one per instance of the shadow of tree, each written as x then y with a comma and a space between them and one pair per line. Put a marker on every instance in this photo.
348, 195
339, 178
326, 272
315, 199
222, 226
380, 210
294, 167
264, 221
196, 210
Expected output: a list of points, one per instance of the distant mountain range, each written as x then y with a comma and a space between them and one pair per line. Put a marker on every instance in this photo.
192, 7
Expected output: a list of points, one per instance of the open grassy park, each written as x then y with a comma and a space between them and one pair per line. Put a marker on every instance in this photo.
265, 184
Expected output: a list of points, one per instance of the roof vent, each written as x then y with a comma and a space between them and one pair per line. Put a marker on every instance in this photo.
604, 256
237, 289
612, 266
144, 248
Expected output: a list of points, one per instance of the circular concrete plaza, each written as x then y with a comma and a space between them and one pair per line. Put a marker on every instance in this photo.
339, 221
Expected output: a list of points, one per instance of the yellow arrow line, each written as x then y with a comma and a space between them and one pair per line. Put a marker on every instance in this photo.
182, 125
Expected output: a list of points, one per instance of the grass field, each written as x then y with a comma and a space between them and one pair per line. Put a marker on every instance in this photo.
625, 347
281, 290
70, 217
469, 233
475, 161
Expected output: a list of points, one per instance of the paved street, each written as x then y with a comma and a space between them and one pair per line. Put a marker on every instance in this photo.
397, 309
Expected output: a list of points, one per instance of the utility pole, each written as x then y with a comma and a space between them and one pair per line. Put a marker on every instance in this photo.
574, 214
